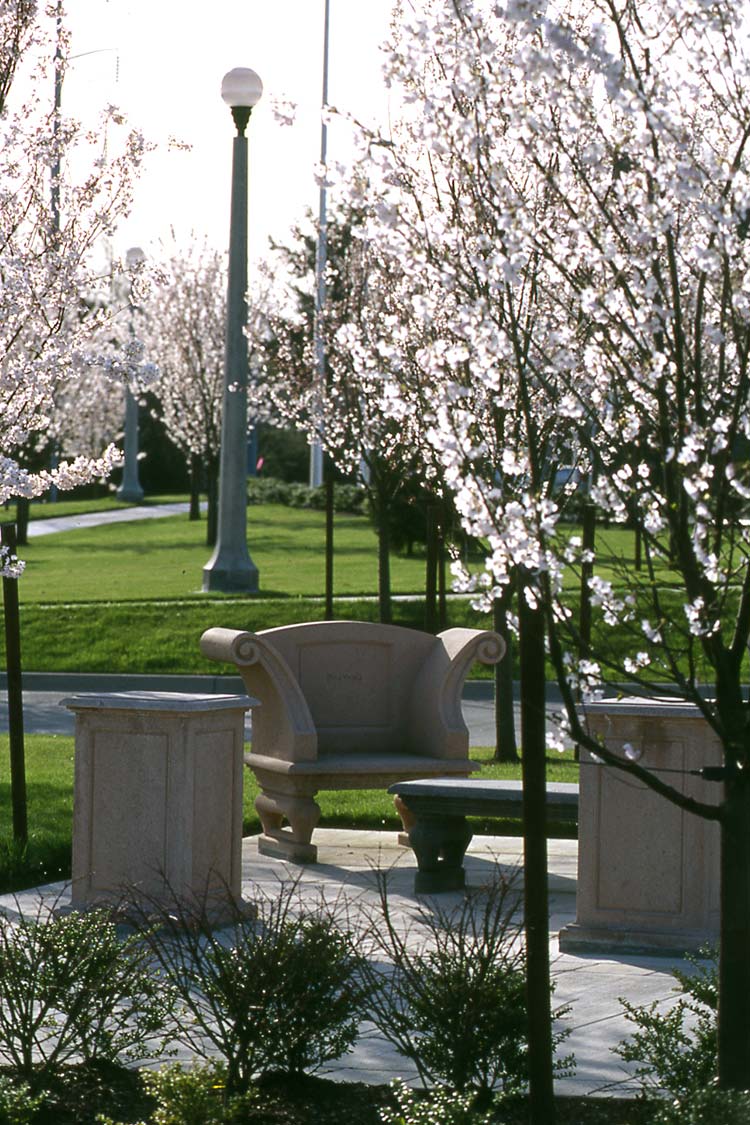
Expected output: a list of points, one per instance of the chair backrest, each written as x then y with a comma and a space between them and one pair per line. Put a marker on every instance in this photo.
357, 678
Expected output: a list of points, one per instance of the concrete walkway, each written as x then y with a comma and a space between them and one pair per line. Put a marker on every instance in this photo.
591, 986
53, 524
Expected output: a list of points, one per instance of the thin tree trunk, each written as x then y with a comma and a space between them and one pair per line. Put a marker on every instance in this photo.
441, 554
15, 693
734, 953
588, 542
536, 900
22, 521
384, 559
212, 491
195, 487
431, 554
506, 747
329, 539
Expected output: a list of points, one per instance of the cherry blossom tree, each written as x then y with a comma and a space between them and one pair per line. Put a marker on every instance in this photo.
62, 190
89, 406
88, 414
569, 202
182, 321
345, 411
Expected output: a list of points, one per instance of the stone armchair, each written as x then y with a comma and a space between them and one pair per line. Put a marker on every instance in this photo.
348, 705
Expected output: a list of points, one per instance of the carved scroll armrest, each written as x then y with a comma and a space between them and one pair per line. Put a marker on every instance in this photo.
282, 726
436, 724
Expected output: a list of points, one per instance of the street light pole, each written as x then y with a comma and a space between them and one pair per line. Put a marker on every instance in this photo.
321, 258
130, 488
230, 568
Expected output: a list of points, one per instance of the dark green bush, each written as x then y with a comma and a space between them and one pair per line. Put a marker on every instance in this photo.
454, 1002
42, 859
349, 498
677, 1050
267, 490
278, 990
18, 1106
193, 1095
70, 988
285, 453
187, 1096
706, 1107
441, 1105
301, 496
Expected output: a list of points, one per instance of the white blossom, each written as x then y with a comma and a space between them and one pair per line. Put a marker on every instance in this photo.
557, 229
55, 297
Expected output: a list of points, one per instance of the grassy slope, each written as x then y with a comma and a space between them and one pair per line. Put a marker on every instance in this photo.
126, 597
163, 637
164, 559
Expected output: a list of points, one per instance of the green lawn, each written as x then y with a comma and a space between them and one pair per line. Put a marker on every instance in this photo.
126, 597
162, 637
49, 774
164, 559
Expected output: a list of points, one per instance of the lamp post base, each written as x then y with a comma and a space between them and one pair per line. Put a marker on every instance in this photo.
133, 493
226, 576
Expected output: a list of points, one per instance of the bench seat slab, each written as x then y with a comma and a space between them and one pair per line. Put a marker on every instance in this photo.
434, 813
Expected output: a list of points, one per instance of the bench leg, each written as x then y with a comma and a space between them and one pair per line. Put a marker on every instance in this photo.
292, 843
408, 820
440, 844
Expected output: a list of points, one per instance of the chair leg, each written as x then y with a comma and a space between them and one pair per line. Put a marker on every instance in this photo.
302, 814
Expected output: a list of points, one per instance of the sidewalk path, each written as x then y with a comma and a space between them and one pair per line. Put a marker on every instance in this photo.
93, 519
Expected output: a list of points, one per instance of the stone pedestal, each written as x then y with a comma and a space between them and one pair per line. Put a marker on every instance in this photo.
157, 815
648, 873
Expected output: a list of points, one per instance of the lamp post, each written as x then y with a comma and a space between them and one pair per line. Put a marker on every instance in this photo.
321, 257
230, 568
130, 487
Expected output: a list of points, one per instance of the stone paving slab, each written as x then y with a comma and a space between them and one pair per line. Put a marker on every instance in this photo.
590, 985
347, 871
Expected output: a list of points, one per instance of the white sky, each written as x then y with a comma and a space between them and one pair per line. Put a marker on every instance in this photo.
162, 61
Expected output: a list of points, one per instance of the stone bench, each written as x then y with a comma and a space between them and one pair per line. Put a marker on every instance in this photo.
348, 705
434, 814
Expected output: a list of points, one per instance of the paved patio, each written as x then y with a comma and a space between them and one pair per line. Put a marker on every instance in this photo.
591, 985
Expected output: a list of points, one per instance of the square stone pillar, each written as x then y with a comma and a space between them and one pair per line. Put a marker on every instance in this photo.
157, 810
648, 872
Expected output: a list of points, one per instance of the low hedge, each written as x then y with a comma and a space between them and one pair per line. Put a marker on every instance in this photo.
348, 498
